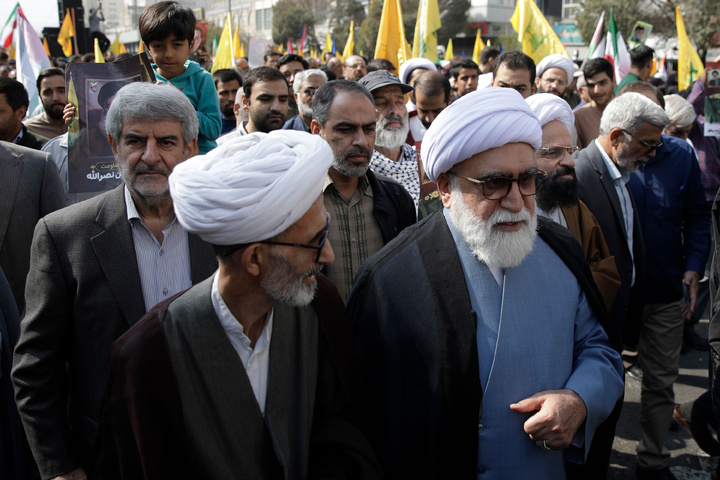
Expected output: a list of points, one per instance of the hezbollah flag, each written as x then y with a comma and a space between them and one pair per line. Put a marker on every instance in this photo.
537, 37
690, 66
236, 41
224, 52
328, 46
449, 54
426, 27
98, 53
350, 44
66, 33
479, 45
391, 44
115, 45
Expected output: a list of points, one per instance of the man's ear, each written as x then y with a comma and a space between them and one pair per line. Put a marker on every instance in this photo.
113, 145
617, 137
443, 184
315, 127
245, 102
252, 258
192, 148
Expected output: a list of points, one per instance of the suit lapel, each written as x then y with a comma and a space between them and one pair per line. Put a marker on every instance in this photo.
600, 167
9, 184
115, 250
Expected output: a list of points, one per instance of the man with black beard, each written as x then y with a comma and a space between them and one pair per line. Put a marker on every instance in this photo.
370, 210
245, 380
558, 201
431, 96
227, 83
51, 87
478, 326
264, 100
392, 157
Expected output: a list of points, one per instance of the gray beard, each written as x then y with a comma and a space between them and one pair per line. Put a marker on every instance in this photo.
390, 137
305, 110
285, 286
494, 247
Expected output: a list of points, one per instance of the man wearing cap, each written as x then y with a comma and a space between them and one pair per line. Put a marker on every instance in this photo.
246, 381
490, 362
370, 209
554, 74
392, 157
558, 200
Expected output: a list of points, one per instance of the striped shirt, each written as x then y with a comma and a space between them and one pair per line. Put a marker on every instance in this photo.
354, 233
164, 267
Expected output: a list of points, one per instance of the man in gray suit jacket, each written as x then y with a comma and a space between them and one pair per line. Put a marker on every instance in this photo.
31, 188
96, 268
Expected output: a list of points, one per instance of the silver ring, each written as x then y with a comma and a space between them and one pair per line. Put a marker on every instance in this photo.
544, 445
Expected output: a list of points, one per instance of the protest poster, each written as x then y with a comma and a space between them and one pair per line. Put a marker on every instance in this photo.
640, 33
91, 88
712, 100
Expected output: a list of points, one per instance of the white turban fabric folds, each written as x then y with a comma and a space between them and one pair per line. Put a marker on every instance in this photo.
476, 122
412, 64
556, 60
548, 107
252, 187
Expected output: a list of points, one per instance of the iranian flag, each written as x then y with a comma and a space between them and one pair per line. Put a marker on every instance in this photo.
615, 49
597, 44
6, 37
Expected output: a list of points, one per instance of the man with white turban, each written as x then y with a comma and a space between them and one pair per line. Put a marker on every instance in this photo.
558, 200
479, 336
554, 74
237, 376
410, 71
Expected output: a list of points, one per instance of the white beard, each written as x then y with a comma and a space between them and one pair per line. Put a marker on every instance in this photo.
391, 137
494, 247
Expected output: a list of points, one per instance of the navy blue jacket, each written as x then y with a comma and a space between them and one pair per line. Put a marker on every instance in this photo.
296, 123
670, 203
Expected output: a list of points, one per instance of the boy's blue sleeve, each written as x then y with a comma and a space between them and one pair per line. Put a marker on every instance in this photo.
208, 111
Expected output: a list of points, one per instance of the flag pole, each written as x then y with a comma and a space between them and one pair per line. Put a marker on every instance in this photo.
72, 11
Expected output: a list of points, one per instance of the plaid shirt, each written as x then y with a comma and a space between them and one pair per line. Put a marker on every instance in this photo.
707, 148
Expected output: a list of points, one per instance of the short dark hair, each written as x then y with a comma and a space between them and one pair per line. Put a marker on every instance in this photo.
515, 60
433, 84
48, 72
598, 65
487, 53
163, 19
292, 57
270, 53
226, 75
380, 64
641, 55
324, 96
330, 74
15, 93
261, 74
644, 87
4, 56
460, 64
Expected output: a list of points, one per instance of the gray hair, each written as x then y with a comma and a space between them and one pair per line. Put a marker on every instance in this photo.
629, 111
147, 101
300, 77
680, 111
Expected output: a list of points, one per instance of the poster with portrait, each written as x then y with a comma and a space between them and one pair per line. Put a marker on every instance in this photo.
91, 88
712, 100
639, 34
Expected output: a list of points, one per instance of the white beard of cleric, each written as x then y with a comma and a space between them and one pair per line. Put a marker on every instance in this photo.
494, 247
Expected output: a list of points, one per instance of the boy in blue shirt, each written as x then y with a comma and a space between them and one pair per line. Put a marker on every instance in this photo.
168, 30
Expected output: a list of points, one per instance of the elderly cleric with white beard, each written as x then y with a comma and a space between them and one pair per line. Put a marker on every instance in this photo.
479, 328
237, 376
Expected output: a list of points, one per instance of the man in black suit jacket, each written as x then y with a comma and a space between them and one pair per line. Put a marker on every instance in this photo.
630, 130
14, 104
96, 268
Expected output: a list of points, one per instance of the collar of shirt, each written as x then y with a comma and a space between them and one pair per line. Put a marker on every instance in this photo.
617, 177
363, 185
19, 136
132, 212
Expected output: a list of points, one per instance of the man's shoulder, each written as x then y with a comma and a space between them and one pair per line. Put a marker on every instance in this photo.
678, 147
85, 212
23, 153
586, 110
39, 119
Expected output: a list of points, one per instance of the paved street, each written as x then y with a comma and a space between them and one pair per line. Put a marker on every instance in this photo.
688, 461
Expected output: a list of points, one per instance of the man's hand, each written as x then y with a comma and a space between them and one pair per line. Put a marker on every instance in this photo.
68, 113
77, 474
692, 281
559, 415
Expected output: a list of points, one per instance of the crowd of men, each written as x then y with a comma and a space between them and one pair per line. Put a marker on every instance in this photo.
428, 274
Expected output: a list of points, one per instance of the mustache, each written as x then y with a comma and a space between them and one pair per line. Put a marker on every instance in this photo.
357, 151
392, 118
506, 216
564, 170
143, 168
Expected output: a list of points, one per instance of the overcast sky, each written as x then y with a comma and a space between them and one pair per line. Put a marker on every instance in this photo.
41, 13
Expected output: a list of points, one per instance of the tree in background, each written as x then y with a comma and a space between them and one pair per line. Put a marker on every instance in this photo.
339, 18
289, 18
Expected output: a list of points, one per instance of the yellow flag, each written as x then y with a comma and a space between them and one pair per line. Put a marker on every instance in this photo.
281, 49
479, 45
391, 44
98, 53
141, 47
236, 42
45, 45
350, 44
241, 50
449, 50
426, 27
534, 32
65, 34
690, 66
115, 45
327, 48
224, 53
122, 48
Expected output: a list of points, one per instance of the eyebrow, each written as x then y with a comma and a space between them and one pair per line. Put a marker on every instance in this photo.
137, 136
354, 125
507, 175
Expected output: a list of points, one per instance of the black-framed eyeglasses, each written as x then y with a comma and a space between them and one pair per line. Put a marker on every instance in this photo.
318, 247
497, 187
650, 146
557, 151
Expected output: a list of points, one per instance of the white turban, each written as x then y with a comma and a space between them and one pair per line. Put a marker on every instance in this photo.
556, 60
548, 107
411, 64
252, 187
477, 122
